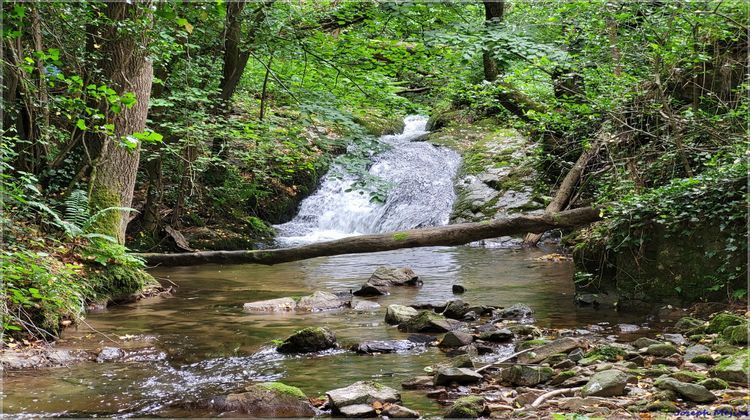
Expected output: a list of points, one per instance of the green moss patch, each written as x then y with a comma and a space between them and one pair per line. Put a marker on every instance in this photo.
284, 389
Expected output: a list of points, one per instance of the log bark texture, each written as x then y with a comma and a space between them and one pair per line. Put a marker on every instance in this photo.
458, 234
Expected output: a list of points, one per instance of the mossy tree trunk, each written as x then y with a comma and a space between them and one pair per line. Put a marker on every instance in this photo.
125, 66
493, 15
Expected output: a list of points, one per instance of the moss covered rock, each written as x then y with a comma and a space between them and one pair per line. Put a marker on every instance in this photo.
721, 321
736, 334
467, 407
734, 368
272, 399
309, 340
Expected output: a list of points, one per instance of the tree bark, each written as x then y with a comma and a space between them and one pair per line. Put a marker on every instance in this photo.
566, 190
127, 68
437, 236
493, 14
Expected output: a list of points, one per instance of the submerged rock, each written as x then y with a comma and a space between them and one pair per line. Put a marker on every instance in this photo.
608, 383
272, 399
692, 392
309, 340
418, 382
110, 354
398, 314
362, 392
366, 306
457, 289
517, 312
467, 407
371, 290
384, 346
285, 304
320, 301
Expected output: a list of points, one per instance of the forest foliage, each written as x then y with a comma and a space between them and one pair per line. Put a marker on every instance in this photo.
251, 103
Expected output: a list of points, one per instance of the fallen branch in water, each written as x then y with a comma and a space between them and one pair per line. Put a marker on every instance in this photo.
449, 235
544, 397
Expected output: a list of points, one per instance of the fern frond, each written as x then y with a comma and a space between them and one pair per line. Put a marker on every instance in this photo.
77, 208
70, 229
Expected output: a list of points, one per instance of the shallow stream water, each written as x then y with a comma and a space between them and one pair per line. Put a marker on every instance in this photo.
199, 343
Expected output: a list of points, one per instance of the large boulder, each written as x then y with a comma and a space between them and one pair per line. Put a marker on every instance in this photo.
428, 321
447, 375
384, 346
362, 392
398, 314
272, 399
561, 345
608, 383
285, 304
389, 276
320, 301
467, 407
309, 340
692, 392
734, 368
721, 321
385, 277
526, 375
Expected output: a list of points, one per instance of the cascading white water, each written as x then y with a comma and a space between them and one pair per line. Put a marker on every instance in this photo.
420, 178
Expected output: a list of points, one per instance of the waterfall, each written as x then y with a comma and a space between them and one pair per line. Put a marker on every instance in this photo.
420, 193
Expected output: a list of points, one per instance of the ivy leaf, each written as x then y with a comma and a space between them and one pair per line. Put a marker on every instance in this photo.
81, 124
148, 136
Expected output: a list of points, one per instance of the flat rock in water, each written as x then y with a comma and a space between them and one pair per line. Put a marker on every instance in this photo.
366, 306
398, 314
608, 383
396, 411
357, 410
627, 328
309, 340
456, 309
693, 392
263, 402
418, 382
517, 311
285, 304
362, 392
561, 345
502, 335
427, 321
384, 346
449, 375
320, 301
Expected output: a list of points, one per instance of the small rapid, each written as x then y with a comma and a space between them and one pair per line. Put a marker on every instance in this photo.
418, 179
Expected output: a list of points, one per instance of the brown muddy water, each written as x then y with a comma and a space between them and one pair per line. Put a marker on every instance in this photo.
199, 343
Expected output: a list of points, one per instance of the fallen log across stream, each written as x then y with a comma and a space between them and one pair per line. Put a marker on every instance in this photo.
457, 234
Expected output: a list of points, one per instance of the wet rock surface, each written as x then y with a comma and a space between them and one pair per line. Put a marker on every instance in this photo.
309, 340
265, 400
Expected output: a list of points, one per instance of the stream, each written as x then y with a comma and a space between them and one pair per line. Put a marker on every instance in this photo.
199, 343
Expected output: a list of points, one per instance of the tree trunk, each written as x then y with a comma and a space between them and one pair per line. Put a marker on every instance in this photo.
127, 68
493, 14
566, 190
436, 236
